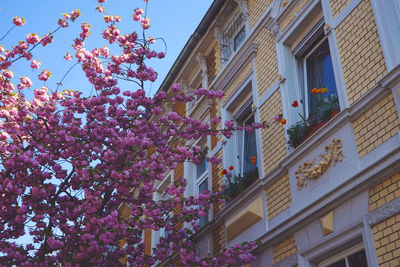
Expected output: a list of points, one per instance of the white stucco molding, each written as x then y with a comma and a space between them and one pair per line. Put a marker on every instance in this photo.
204, 70
218, 35
288, 261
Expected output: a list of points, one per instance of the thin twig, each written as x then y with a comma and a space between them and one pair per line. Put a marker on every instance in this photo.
65, 75
4, 36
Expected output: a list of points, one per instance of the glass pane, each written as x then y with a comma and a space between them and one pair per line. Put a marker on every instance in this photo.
341, 263
249, 148
164, 232
239, 37
320, 75
358, 259
165, 196
202, 166
203, 186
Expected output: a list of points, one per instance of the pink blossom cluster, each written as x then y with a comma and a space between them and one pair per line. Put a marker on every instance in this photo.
79, 174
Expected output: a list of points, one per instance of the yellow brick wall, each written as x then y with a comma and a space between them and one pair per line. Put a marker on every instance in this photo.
292, 13
147, 242
278, 197
218, 239
215, 111
266, 61
211, 66
284, 249
337, 6
178, 172
273, 138
384, 192
256, 9
218, 65
376, 126
238, 78
360, 51
180, 108
387, 241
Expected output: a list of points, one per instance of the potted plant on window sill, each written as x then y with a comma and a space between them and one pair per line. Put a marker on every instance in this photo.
327, 108
236, 183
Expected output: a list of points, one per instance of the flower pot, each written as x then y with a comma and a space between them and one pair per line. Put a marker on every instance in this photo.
312, 130
334, 113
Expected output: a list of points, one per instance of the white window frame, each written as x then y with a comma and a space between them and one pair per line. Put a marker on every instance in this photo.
197, 181
305, 86
230, 148
288, 64
387, 15
343, 255
169, 179
240, 135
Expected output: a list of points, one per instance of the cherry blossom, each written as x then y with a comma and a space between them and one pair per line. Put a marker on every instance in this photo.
71, 163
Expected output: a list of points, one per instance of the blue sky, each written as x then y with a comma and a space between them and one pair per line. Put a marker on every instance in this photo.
173, 20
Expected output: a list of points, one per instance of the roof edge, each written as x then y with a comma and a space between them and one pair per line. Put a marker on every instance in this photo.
190, 44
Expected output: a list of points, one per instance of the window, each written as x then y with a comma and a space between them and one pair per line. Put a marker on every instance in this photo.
246, 142
239, 37
163, 231
160, 195
354, 257
316, 71
201, 175
240, 150
232, 37
201, 168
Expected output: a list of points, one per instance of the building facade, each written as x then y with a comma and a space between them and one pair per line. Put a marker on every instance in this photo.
325, 76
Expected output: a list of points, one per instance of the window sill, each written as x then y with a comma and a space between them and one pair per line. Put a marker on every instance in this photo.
234, 190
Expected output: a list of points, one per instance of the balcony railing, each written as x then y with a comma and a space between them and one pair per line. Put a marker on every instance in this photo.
232, 37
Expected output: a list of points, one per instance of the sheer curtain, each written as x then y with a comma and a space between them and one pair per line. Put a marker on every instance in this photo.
249, 148
319, 75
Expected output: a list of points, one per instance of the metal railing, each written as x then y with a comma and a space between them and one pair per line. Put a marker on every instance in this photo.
232, 37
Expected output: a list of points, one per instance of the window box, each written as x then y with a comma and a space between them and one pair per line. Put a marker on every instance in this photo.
236, 184
302, 130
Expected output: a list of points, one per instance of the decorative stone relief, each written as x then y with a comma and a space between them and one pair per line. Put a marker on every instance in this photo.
275, 29
204, 70
386, 211
218, 35
203, 248
244, 10
311, 170
185, 86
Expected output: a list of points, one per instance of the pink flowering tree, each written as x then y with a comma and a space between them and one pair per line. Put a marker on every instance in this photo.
69, 162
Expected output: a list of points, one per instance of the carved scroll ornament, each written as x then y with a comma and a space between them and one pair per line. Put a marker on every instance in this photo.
311, 170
